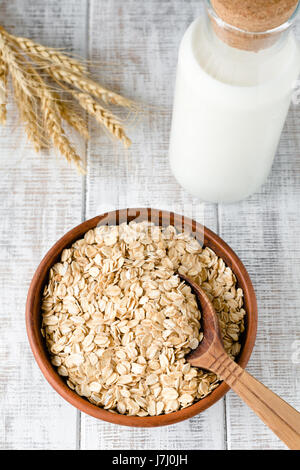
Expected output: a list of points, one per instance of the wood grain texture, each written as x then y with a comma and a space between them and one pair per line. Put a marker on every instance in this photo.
264, 231
137, 42
41, 198
205, 432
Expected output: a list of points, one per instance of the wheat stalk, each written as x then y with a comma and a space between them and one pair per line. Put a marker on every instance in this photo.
42, 108
104, 117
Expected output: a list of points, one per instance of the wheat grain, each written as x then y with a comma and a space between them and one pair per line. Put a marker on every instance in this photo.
69, 114
12, 62
25, 100
39, 53
3, 90
28, 109
50, 103
104, 117
87, 85
55, 130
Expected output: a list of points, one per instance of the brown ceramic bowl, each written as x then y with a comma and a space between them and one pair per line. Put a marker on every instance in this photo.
33, 313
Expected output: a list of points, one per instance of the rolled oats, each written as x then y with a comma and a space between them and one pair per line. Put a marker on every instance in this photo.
118, 321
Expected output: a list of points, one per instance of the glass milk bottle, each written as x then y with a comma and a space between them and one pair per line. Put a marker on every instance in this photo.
237, 67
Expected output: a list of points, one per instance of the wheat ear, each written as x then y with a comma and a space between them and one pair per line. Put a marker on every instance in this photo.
69, 114
104, 117
55, 130
28, 112
3, 89
39, 53
28, 102
87, 85
10, 57
52, 119
41, 108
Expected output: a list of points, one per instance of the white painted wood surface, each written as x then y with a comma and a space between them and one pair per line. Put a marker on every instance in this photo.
41, 198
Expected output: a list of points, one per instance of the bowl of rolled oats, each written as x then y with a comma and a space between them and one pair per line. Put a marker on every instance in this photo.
110, 322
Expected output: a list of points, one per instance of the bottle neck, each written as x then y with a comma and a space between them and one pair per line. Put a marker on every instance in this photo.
241, 67
246, 40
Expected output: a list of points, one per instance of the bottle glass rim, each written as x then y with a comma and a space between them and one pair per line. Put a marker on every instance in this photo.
278, 29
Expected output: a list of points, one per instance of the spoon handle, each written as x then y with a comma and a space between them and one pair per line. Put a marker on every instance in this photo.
278, 415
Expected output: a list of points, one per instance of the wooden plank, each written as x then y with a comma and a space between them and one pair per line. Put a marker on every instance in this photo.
201, 432
137, 44
264, 230
41, 198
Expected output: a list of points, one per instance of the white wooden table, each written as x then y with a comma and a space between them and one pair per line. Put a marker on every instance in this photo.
41, 198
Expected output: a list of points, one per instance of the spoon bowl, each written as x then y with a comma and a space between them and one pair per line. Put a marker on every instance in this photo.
209, 321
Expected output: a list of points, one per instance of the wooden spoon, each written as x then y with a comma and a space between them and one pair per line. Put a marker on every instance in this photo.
210, 354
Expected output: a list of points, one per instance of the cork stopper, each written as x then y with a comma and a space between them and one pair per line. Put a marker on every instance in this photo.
250, 16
